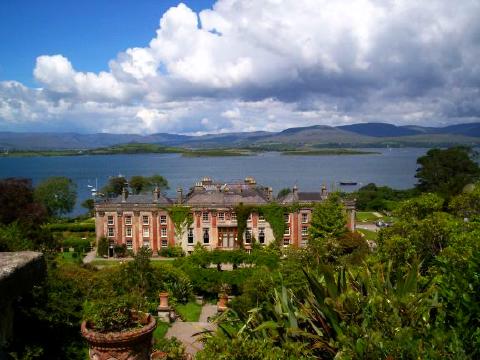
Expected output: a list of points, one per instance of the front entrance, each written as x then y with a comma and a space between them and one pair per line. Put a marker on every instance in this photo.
227, 236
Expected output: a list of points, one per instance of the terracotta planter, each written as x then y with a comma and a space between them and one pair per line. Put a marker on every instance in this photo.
163, 301
133, 344
222, 302
158, 355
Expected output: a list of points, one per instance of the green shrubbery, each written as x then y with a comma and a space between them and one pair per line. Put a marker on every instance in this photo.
171, 251
72, 227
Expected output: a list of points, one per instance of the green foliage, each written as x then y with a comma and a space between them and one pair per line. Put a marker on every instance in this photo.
273, 214
79, 245
120, 250
376, 198
171, 251
110, 314
102, 246
419, 207
283, 192
89, 204
72, 227
173, 348
328, 220
12, 238
58, 194
139, 184
181, 217
446, 172
242, 212
467, 204
115, 186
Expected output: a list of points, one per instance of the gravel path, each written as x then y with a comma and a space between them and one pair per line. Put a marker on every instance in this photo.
184, 331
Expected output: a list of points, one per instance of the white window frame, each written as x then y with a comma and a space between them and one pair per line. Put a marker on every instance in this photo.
286, 241
205, 216
304, 230
206, 231
110, 220
128, 229
286, 218
110, 231
145, 232
192, 237
128, 219
304, 218
164, 243
287, 230
163, 232
163, 219
233, 216
248, 235
145, 217
129, 244
221, 216
261, 217
261, 231
146, 244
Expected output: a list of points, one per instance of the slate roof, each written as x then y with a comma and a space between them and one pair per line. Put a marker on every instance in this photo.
302, 197
227, 195
137, 199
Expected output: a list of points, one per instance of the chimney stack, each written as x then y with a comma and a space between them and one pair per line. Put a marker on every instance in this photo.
156, 194
269, 194
295, 190
179, 195
124, 195
323, 192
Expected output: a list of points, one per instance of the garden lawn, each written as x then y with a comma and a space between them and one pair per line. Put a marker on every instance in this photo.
366, 216
189, 311
369, 234
161, 330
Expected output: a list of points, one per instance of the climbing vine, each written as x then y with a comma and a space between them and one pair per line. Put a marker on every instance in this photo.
273, 214
242, 212
181, 218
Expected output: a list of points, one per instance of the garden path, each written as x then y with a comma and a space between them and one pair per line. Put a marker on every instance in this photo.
184, 331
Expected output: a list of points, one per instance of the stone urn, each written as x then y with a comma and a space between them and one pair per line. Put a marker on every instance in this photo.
163, 301
164, 309
132, 344
222, 302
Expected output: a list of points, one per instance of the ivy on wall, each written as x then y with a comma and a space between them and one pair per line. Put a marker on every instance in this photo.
181, 218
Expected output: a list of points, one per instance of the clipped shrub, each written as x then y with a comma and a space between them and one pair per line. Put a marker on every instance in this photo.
120, 250
171, 251
102, 247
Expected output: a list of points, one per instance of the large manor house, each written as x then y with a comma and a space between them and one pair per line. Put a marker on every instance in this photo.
144, 220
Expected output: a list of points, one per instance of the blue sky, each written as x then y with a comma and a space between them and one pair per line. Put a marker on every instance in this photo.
236, 65
88, 32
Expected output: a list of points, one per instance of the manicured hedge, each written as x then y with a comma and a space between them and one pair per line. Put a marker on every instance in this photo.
83, 227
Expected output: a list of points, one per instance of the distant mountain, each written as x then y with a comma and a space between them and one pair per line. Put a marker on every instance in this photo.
356, 135
380, 130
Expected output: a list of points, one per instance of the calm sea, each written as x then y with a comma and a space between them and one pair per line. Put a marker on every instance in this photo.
392, 167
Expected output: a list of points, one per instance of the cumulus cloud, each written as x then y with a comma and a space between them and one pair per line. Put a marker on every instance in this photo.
267, 64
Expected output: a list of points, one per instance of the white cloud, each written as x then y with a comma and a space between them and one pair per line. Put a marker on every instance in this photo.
269, 64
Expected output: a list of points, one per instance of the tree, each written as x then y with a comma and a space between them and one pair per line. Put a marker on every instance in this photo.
18, 203
139, 184
328, 219
58, 194
283, 192
89, 204
446, 172
115, 186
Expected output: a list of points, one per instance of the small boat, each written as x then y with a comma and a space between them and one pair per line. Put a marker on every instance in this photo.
348, 183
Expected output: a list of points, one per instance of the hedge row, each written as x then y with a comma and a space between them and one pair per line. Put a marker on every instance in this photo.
72, 227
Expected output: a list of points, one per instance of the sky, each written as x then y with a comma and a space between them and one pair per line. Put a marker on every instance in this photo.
200, 67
